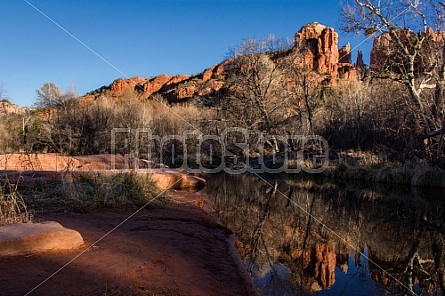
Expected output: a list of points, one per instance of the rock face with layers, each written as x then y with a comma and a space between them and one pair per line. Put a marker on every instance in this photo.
318, 45
322, 45
27, 169
173, 88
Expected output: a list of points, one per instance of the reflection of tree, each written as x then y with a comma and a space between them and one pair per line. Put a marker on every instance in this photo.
404, 236
439, 259
257, 234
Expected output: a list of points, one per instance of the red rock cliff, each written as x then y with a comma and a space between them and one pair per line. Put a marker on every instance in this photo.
315, 48
318, 45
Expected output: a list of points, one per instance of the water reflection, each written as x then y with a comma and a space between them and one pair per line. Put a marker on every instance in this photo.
306, 236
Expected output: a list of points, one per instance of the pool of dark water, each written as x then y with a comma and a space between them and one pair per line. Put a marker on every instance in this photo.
307, 236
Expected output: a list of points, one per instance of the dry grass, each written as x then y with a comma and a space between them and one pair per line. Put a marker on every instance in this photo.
91, 191
12, 206
428, 176
365, 166
397, 174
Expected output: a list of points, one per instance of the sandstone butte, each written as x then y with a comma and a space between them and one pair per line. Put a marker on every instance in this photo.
323, 58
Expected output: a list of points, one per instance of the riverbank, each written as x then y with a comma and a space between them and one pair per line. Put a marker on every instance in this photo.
395, 173
369, 167
165, 249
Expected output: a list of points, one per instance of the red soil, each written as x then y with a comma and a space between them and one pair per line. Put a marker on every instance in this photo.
162, 250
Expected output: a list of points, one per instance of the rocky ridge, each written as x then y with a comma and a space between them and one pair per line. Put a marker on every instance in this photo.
315, 47
8, 108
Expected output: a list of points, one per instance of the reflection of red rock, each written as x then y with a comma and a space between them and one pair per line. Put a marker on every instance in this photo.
319, 264
325, 265
342, 261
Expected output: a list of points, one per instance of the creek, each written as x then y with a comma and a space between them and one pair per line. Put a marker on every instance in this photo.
311, 236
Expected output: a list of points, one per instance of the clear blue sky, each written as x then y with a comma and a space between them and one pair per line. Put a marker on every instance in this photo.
139, 38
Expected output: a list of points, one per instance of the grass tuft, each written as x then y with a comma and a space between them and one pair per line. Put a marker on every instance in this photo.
92, 191
123, 190
13, 208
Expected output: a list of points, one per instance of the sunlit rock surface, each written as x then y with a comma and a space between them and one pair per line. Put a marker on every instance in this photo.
29, 238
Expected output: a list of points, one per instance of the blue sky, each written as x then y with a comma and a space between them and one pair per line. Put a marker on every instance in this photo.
139, 38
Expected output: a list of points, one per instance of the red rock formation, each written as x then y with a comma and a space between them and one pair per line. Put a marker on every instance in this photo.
155, 84
33, 168
380, 50
7, 107
315, 48
345, 54
359, 64
207, 74
173, 88
322, 45
31, 238
120, 85
346, 69
186, 92
347, 72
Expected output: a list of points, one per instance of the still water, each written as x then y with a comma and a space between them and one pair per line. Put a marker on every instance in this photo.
301, 236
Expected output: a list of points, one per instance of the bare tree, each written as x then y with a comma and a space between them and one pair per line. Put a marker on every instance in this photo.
413, 53
257, 94
305, 88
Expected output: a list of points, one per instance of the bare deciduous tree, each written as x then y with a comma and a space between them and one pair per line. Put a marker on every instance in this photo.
257, 95
414, 55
